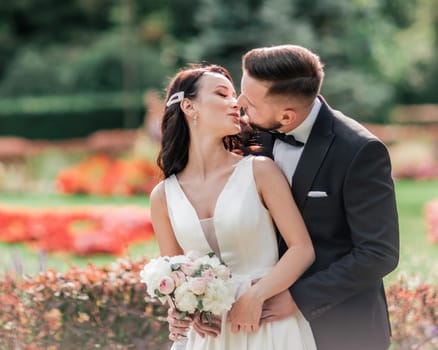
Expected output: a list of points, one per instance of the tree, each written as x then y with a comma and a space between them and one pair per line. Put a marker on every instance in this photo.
368, 47
418, 43
226, 30
46, 22
355, 40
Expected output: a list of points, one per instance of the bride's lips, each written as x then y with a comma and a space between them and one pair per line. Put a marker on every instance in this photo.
236, 117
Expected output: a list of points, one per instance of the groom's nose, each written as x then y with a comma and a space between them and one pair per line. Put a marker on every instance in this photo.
242, 104
240, 101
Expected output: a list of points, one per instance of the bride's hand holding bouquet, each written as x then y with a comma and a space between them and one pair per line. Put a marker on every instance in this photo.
190, 283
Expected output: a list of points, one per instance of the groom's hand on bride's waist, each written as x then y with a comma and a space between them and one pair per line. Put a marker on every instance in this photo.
278, 307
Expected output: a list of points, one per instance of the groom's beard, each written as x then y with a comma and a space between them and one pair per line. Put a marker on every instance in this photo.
274, 125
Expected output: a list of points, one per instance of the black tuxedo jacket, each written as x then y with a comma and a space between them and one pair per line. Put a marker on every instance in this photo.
353, 224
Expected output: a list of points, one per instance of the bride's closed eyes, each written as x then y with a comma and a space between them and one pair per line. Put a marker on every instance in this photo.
224, 92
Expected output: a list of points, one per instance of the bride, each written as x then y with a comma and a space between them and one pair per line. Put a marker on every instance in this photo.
213, 198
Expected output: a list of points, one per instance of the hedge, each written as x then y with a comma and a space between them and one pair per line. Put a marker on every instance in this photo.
89, 308
107, 308
71, 116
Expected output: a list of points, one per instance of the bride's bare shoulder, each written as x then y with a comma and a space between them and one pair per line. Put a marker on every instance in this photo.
158, 194
264, 164
267, 174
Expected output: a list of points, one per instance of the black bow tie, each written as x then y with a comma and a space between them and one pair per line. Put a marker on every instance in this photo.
290, 139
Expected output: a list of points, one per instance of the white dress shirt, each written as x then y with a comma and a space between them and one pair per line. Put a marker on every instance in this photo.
287, 156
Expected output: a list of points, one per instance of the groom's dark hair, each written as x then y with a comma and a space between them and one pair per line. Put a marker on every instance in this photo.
289, 69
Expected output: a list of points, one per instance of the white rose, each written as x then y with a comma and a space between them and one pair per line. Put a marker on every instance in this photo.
193, 255
153, 272
185, 300
218, 297
223, 272
179, 259
206, 260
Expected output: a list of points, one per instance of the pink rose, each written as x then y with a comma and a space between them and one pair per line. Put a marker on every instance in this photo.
166, 285
198, 285
188, 268
208, 274
178, 277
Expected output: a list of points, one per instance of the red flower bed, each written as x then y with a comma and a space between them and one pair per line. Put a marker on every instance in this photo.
103, 175
82, 231
431, 213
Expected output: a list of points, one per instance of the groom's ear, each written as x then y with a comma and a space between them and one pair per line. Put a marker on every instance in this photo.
288, 117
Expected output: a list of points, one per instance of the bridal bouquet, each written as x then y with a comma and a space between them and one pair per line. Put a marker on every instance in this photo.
190, 283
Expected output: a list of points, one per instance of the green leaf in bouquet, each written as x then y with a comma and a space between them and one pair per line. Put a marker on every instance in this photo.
183, 315
206, 315
198, 271
159, 294
200, 306
175, 267
201, 269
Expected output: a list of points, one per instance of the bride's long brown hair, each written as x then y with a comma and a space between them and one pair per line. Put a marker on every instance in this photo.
174, 152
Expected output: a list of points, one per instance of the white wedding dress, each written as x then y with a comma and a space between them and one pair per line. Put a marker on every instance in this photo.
247, 243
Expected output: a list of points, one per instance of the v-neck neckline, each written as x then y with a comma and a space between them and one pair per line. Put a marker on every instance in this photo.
227, 182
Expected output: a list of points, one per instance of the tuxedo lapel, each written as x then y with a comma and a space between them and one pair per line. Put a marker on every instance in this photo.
315, 150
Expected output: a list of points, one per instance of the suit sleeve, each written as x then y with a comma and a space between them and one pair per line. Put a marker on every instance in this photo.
371, 215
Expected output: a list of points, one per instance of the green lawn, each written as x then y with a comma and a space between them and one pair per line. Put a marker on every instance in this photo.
418, 256
54, 200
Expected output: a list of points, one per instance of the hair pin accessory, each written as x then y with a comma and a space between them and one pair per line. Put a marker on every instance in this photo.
175, 98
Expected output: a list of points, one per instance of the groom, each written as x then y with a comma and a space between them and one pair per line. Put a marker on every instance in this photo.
340, 176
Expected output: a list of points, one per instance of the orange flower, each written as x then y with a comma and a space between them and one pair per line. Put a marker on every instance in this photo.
82, 231
53, 319
83, 317
103, 175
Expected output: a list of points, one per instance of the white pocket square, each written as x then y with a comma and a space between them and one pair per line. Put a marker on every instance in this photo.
317, 194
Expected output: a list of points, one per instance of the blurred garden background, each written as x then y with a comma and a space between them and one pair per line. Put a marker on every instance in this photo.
81, 89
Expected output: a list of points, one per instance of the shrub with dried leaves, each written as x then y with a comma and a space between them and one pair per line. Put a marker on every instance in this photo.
108, 308
413, 311
89, 308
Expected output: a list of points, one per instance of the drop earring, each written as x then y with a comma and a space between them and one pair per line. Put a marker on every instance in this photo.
195, 120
